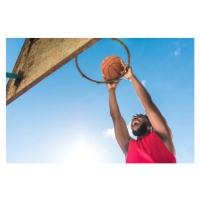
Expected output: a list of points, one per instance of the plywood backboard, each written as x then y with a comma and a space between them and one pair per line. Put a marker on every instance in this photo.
40, 57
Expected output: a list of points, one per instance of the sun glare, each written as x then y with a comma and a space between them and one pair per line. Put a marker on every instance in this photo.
81, 153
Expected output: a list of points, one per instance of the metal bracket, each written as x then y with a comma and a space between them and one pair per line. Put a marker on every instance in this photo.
12, 75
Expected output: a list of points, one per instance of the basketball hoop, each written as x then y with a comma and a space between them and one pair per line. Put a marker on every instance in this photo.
98, 82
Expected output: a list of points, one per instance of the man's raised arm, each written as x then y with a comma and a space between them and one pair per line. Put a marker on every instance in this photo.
121, 130
158, 122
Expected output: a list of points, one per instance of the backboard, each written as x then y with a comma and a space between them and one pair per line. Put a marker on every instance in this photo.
40, 57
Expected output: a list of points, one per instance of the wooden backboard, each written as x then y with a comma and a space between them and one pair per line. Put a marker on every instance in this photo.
40, 57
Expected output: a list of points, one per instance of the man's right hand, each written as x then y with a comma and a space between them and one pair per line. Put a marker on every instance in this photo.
113, 85
128, 70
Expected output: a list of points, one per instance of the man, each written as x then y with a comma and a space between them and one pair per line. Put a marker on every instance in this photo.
154, 142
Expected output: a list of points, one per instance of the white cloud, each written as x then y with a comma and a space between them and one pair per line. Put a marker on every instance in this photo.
177, 52
129, 129
144, 83
111, 133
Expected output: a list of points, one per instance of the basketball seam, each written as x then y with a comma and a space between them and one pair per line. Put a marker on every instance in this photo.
115, 58
115, 69
109, 72
107, 59
114, 63
107, 63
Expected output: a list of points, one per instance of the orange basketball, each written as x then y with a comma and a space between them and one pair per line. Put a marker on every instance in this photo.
111, 68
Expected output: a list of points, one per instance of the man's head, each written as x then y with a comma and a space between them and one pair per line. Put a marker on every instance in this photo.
140, 125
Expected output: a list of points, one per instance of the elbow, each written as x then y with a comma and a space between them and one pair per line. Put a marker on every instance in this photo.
148, 100
115, 116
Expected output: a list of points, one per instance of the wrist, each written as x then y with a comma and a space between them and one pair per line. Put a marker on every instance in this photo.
132, 77
111, 89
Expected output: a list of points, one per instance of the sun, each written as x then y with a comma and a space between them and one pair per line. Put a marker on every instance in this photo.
81, 153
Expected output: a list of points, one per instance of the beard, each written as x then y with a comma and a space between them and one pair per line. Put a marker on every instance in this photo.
140, 131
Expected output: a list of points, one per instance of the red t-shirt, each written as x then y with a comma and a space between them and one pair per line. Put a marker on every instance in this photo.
149, 149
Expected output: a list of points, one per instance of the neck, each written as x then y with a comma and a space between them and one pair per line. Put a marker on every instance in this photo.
146, 133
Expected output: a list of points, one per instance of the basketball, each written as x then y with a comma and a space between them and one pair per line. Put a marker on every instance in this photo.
111, 68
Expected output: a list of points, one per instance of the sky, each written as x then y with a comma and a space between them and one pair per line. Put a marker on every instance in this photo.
66, 118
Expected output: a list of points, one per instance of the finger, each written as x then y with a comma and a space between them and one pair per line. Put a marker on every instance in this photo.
124, 65
104, 78
122, 62
127, 67
119, 81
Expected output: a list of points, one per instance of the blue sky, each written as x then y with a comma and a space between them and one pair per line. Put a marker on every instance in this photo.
66, 118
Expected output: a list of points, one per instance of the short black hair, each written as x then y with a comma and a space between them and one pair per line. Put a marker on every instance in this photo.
144, 116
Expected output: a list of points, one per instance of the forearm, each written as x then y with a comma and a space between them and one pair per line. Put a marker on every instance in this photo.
158, 122
114, 109
121, 131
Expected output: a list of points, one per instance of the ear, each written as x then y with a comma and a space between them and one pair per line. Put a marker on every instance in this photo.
150, 128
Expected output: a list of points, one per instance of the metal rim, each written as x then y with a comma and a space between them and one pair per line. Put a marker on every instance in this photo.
113, 80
